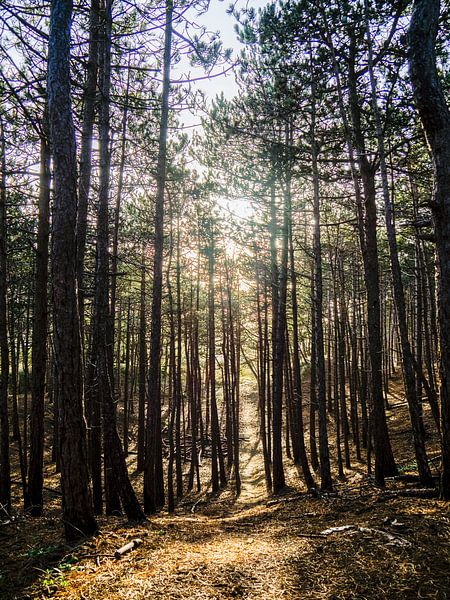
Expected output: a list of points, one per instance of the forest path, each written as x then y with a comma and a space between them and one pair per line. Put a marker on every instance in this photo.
253, 484
224, 547
251, 463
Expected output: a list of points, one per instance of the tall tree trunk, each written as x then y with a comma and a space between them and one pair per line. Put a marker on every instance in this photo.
435, 117
313, 384
226, 381
262, 387
354, 370
236, 397
336, 370
25, 343
153, 473
142, 369
218, 475
278, 352
115, 245
126, 384
77, 505
326, 483
342, 352
297, 413
5, 469
16, 390
39, 336
93, 413
178, 382
407, 357
196, 416
367, 221
173, 378
234, 350
117, 483
87, 129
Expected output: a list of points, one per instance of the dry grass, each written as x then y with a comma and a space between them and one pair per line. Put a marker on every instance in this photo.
248, 547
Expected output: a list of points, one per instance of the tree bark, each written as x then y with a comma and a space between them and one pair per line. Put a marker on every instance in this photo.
299, 447
407, 356
142, 370
218, 475
153, 473
278, 352
117, 482
77, 506
262, 387
435, 116
367, 220
39, 337
5, 469
84, 181
326, 483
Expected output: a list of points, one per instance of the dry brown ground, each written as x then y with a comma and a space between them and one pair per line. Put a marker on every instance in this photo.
249, 547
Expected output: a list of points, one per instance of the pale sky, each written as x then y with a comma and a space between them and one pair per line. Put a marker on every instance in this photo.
217, 20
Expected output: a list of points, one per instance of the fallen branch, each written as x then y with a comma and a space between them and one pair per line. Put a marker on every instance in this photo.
392, 540
425, 493
96, 556
194, 506
410, 477
339, 529
127, 548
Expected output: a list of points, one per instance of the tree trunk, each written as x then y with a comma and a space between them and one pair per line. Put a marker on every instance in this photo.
326, 483
118, 488
178, 381
115, 245
408, 364
5, 470
39, 337
278, 351
84, 181
217, 462
126, 385
77, 506
435, 117
297, 412
313, 386
367, 220
262, 387
142, 369
153, 473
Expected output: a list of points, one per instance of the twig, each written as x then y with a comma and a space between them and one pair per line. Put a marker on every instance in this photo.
127, 548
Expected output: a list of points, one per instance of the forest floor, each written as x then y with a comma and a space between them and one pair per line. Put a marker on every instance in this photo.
358, 543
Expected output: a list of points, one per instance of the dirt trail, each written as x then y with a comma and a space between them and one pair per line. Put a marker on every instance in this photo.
251, 460
227, 553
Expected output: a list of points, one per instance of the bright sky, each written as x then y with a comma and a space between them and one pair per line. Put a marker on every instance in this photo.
217, 19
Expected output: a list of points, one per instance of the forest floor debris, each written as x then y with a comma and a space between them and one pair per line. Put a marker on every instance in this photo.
359, 543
